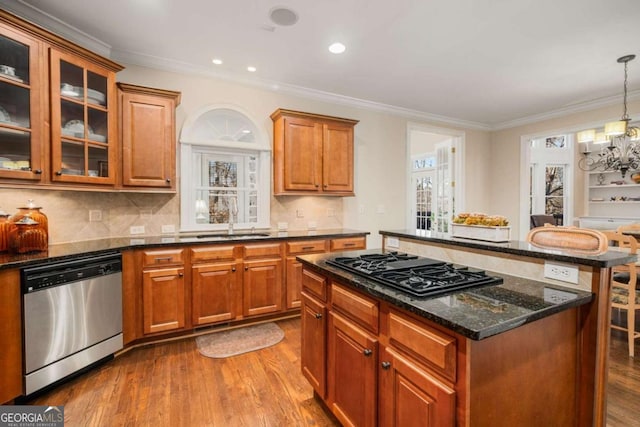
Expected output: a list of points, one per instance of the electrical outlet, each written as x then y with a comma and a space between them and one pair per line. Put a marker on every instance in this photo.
312, 225
380, 209
95, 215
563, 272
136, 229
168, 228
361, 209
556, 296
283, 226
392, 242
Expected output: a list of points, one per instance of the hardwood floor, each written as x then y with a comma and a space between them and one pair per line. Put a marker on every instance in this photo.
171, 384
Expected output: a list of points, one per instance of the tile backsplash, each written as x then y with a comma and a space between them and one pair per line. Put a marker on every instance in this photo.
68, 212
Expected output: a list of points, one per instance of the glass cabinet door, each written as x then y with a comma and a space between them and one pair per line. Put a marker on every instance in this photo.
21, 121
81, 121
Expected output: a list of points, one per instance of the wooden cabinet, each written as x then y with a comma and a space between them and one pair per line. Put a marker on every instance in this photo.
215, 282
352, 372
382, 367
410, 396
163, 291
313, 154
147, 135
10, 335
83, 120
348, 244
293, 275
314, 343
58, 123
262, 279
21, 111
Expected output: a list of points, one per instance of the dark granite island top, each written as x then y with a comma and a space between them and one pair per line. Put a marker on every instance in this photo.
516, 247
475, 313
58, 252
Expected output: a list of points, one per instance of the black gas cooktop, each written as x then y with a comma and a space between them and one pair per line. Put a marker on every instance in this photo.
414, 275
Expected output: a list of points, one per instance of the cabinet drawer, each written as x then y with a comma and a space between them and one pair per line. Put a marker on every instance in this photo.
355, 306
306, 246
263, 250
213, 253
314, 284
163, 257
433, 348
348, 244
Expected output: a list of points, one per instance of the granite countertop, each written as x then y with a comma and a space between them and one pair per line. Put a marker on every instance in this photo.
516, 247
475, 313
63, 251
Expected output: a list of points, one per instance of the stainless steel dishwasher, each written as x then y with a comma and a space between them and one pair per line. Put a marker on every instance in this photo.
72, 317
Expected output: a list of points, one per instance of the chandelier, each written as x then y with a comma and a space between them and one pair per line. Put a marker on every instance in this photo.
623, 151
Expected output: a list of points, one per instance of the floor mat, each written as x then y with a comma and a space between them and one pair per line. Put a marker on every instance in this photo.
238, 341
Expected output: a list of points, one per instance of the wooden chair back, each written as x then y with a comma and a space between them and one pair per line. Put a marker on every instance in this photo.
624, 285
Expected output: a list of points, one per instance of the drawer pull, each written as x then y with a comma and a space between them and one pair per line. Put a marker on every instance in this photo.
318, 315
367, 352
346, 245
233, 270
386, 365
246, 269
307, 248
180, 274
166, 258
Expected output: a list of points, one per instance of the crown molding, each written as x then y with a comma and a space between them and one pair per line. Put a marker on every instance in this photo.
165, 64
55, 25
569, 109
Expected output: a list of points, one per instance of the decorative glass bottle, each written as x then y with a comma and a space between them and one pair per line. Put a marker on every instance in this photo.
4, 231
38, 222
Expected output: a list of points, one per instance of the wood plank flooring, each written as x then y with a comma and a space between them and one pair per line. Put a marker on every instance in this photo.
171, 384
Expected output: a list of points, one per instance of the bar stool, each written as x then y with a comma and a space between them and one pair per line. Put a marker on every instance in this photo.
624, 291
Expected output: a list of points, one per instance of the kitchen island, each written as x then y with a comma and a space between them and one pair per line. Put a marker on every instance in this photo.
525, 352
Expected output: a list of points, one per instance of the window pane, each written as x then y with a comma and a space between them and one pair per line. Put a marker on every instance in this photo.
556, 142
554, 190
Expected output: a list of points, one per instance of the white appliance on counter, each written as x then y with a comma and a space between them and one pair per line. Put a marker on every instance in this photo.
604, 223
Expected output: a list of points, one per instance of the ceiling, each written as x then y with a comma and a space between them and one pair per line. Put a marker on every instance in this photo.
485, 63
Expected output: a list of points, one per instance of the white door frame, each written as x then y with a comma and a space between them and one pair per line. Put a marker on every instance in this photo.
458, 142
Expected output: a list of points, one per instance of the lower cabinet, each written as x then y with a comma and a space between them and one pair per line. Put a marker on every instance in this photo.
215, 291
352, 372
163, 296
410, 396
378, 366
314, 343
10, 335
262, 287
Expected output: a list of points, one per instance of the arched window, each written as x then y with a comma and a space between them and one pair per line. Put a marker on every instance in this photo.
224, 169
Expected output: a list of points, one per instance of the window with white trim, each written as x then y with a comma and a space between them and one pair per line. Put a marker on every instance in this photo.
225, 172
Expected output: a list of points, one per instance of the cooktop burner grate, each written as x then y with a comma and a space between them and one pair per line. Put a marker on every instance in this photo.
414, 275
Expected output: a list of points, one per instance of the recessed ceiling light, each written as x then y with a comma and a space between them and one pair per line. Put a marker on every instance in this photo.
283, 16
251, 69
337, 48
217, 61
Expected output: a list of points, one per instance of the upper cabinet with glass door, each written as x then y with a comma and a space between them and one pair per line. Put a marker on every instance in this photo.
57, 109
83, 120
20, 111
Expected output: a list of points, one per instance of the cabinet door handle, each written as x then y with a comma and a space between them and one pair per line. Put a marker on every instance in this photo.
180, 274
325, 186
367, 352
246, 269
386, 365
168, 180
318, 315
58, 173
233, 270
38, 171
317, 185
